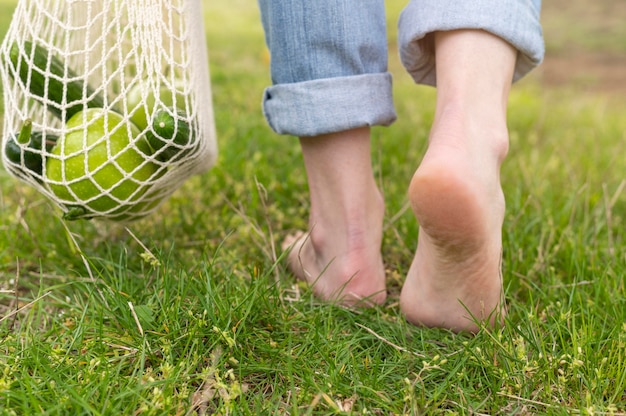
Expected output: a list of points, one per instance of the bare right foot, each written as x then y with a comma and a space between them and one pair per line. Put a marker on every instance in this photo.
455, 280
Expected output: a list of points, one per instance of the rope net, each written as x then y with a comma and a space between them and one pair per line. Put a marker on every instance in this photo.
107, 103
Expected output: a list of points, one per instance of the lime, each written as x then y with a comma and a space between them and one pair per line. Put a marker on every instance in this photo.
140, 109
96, 167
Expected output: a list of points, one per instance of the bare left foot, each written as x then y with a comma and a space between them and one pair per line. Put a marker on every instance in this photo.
340, 254
353, 275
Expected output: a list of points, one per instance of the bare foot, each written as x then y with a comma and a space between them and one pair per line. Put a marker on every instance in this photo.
455, 279
340, 255
340, 268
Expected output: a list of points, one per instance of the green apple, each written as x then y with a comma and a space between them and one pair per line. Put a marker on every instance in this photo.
141, 110
93, 168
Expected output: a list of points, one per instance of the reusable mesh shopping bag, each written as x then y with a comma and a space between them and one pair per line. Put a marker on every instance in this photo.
108, 105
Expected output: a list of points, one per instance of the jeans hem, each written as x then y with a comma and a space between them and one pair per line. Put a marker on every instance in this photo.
515, 21
329, 105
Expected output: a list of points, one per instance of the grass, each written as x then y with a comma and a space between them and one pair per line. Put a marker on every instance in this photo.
192, 310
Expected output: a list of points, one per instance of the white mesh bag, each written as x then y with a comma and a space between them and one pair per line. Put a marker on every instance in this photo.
107, 102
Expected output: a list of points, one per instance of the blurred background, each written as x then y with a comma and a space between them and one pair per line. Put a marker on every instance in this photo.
585, 45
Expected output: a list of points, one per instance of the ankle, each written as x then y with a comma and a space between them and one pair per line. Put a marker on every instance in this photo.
340, 255
347, 210
347, 223
459, 124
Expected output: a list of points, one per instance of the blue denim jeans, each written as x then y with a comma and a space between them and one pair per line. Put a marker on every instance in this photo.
329, 57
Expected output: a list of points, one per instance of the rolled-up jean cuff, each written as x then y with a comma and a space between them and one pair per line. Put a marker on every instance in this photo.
329, 105
516, 21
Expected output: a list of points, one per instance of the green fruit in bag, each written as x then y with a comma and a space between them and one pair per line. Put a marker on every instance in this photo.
93, 172
141, 110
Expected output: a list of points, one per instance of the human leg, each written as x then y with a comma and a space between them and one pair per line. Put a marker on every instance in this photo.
330, 85
455, 279
455, 193
340, 254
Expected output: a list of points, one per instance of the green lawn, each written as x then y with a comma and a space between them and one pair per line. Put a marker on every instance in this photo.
192, 309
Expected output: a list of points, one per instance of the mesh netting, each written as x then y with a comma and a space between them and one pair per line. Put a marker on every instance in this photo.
107, 103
